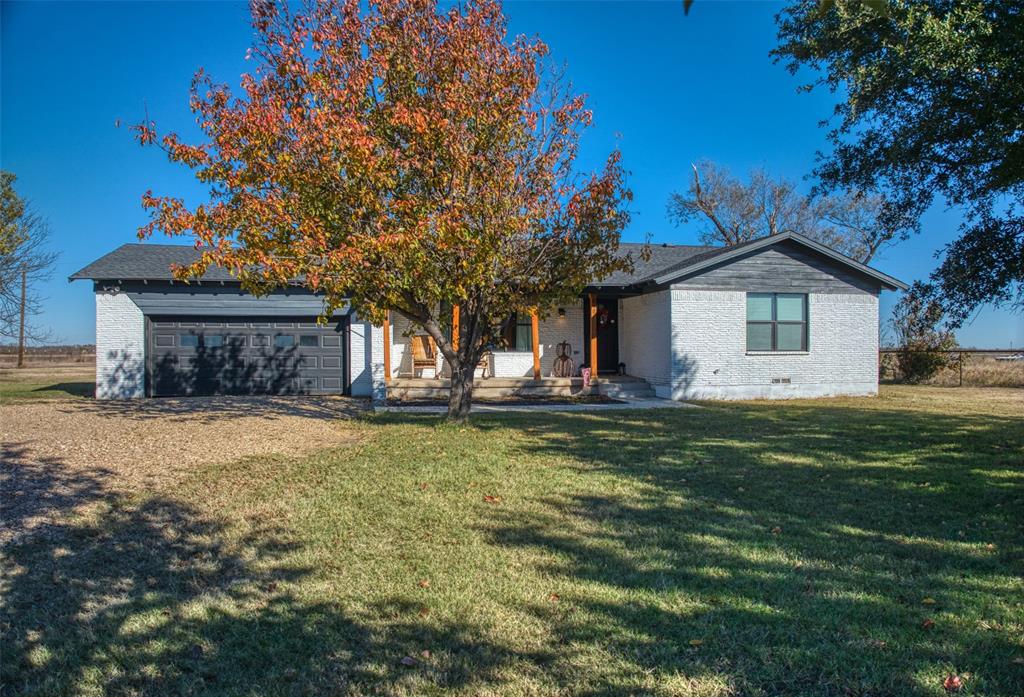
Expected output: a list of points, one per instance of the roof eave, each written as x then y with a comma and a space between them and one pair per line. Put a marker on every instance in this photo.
886, 280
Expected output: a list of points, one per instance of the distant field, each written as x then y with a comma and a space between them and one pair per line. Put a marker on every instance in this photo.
49, 355
980, 369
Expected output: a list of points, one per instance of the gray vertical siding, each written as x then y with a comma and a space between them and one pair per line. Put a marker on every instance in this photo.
784, 267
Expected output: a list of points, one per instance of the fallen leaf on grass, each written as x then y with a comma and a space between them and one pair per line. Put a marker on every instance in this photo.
696, 642
492, 499
425, 654
553, 597
952, 683
424, 583
928, 623
424, 611
928, 601
776, 530
424, 486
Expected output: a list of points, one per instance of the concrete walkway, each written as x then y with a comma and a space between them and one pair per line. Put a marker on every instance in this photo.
489, 408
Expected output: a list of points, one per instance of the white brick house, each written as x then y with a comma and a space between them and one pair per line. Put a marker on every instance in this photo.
778, 317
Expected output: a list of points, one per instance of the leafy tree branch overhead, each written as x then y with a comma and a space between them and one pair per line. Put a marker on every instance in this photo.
403, 157
931, 109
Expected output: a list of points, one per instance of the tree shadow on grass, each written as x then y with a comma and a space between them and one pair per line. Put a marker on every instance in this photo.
34, 490
153, 595
800, 548
150, 596
71, 389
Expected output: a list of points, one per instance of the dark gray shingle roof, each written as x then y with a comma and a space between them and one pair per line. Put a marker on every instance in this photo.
152, 262
148, 262
663, 256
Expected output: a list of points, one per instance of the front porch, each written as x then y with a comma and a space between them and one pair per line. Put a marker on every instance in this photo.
616, 343
571, 339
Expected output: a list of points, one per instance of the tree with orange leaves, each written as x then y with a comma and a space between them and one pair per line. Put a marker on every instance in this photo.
400, 158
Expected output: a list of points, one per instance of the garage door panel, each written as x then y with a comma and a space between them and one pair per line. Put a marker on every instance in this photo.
197, 356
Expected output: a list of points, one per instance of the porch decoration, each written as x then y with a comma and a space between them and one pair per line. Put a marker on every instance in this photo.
563, 366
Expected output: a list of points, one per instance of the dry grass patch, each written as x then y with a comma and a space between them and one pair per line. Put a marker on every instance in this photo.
62, 454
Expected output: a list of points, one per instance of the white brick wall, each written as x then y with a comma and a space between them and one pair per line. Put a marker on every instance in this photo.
120, 347
366, 359
644, 339
688, 343
709, 358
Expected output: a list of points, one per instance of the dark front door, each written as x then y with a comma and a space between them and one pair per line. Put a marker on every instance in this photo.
607, 334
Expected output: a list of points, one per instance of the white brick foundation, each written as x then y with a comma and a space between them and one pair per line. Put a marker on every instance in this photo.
120, 347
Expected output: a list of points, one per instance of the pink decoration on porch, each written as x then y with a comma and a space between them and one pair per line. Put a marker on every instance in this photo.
585, 374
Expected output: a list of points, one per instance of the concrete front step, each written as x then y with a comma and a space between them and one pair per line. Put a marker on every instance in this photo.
639, 391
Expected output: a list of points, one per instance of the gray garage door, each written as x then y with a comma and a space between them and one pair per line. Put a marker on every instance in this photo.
245, 355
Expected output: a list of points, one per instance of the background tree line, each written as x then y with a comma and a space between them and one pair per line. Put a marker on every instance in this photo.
25, 261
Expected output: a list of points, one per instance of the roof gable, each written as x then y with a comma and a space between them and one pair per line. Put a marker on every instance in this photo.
724, 255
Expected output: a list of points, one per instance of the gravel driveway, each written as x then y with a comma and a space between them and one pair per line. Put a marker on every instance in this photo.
58, 456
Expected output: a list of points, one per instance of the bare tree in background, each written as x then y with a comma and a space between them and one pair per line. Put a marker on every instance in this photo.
25, 260
733, 211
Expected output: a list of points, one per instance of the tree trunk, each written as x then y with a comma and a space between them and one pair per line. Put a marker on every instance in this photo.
461, 397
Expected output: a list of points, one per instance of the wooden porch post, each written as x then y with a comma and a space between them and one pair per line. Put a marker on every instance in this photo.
387, 347
592, 300
535, 341
455, 327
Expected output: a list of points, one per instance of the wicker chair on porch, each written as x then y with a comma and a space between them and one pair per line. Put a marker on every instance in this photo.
424, 353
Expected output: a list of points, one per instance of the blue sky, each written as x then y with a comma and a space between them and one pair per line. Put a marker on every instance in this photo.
670, 89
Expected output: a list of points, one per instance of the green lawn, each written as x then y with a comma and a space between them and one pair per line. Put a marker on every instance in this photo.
44, 383
829, 547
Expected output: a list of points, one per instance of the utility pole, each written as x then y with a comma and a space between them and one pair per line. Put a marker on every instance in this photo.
21, 323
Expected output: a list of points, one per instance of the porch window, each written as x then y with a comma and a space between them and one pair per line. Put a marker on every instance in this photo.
776, 322
518, 333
